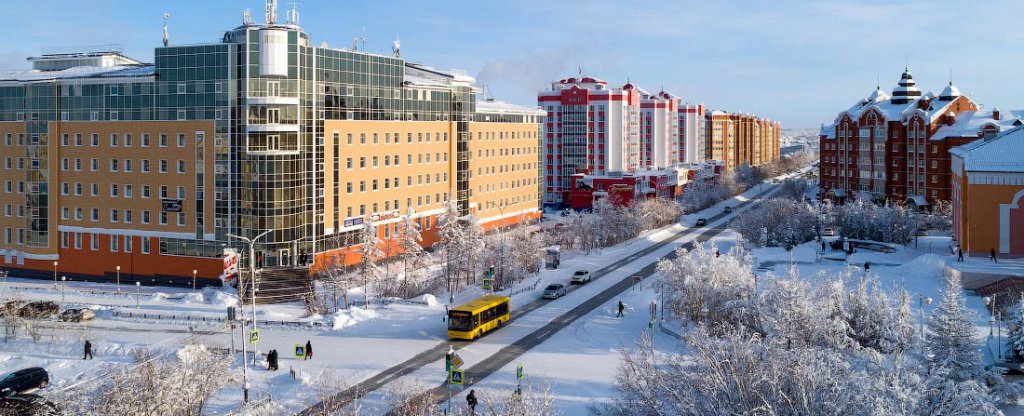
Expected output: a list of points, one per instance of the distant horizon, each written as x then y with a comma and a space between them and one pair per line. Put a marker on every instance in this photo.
811, 62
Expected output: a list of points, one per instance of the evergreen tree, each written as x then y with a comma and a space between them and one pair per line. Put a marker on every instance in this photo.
950, 337
1016, 336
410, 247
369, 252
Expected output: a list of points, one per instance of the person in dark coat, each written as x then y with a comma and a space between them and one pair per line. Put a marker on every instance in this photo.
471, 401
959, 254
822, 246
867, 266
994, 256
621, 307
88, 350
309, 351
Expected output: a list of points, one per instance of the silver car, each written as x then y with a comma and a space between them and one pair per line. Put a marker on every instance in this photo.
581, 277
554, 291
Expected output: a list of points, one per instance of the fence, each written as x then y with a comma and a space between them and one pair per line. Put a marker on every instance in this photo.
194, 318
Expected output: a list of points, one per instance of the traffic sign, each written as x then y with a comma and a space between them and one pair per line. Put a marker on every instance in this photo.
487, 283
456, 377
300, 351
519, 372
254, 336
457, 362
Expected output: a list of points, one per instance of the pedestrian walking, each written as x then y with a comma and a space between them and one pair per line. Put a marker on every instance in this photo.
867, 266
309, 351
88, 350
959, 254
621, 307
822, 246
471, 401
717, 253
994, 256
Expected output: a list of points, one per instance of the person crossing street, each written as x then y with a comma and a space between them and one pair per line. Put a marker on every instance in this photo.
621, 308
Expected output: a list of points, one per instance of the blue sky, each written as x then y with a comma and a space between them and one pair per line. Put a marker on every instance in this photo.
799, 62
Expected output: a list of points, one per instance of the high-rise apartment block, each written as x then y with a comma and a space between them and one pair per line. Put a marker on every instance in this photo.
596, 130
113, 163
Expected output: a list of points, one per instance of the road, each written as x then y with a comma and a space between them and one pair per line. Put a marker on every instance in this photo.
509, 353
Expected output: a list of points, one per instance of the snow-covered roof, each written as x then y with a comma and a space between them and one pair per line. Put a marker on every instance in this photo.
1003, 153
503, 107
116, 71
950, 92
970, 123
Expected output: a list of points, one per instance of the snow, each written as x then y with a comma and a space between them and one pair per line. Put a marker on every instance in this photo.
1004, 153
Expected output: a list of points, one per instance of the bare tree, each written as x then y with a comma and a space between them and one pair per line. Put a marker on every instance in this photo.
369, 251
411, 399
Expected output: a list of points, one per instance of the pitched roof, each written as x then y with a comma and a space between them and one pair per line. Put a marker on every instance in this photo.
1003, 153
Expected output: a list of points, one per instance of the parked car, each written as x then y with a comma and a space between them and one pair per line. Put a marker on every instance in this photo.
39, 310
728, 210
701, 222
24, 381
581, 277
77, 315
28, 404
554, 291
828, 232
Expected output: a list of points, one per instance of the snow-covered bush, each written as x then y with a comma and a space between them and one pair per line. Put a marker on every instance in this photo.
793, 188
866, 221
701, 286
778, 222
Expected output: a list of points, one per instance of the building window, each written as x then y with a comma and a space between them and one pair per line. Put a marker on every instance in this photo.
163, 218
145, 165
94, 241
113, 215
181, 140
145, 217
145, 245
127, 140
181, 219
128, 216
163, 191
113, 165
113, 190
181, 192
163, 165
163, 140
145, 191
145, 140
113, 140
95, 140
181, 166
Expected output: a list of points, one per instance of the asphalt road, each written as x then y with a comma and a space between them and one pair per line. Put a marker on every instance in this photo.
510, 353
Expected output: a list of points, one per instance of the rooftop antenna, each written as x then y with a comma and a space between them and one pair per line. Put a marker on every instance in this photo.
579, 68
950, 75
166, 39
906, 62
247, 17
396, 48
363, 44
293, 14
355, 42
271, 12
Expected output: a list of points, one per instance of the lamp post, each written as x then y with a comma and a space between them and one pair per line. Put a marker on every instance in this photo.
118, 269
990, 301
194, 280
63, 286
55, 275
138, 294
252, 277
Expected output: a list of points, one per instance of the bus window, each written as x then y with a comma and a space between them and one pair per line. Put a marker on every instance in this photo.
460, 321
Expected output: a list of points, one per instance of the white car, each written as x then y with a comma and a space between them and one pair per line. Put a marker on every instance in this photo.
581, 277
828, 232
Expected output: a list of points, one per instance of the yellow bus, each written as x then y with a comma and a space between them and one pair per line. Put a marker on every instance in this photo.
477, 317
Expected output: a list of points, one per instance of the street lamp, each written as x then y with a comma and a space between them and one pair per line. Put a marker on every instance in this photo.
55, 275
118, 269
991, 302
138, 293
241, 287
63, 286
193, 280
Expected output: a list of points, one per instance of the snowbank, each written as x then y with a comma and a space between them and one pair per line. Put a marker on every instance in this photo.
349, 317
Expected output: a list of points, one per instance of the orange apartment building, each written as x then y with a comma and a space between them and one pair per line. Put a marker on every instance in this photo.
988, 195
738, 139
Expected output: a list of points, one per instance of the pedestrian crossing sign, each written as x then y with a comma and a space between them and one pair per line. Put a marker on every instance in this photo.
254, 336
300, 351
456, 377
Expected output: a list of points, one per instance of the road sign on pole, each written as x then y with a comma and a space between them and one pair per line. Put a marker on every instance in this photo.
457, 362
300, 351
456, 379
519, 372
254, 336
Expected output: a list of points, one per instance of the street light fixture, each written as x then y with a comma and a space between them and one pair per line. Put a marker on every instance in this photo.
194, 280
55, 275
138, 293
241, 287
118, 269
63, 286
921, 301
990, 301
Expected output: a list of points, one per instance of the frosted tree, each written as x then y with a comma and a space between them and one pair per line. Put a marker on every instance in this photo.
411, 250
449, 233
369, 252
946, 396
778, 222
950, 340
1016, 335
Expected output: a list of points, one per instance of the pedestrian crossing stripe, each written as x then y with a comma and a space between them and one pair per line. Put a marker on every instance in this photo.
456, 377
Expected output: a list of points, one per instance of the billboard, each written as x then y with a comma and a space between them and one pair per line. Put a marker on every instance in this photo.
230, 265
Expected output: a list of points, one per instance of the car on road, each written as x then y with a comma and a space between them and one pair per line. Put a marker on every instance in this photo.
24, 381
77, 315
581, 277
701, 222
828, 232
728, 210
554, 291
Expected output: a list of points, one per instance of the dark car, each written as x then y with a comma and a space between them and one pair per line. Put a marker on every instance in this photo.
77, 315
728, 210
701, 222
28, 404
24, 381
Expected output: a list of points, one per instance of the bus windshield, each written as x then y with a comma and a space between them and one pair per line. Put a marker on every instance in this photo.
460, 321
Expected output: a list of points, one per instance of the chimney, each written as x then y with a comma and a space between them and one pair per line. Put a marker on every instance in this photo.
995, 113
950, 118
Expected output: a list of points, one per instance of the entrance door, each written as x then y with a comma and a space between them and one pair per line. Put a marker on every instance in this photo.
285, 258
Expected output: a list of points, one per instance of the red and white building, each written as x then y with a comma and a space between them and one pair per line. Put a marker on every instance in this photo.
691, 138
